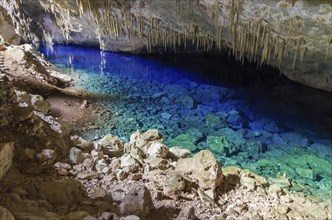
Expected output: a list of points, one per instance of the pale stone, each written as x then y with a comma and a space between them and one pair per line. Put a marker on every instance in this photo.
39, 104
187, 213
112, 146
157, 149
204, 167
6, 156
174, 182
179, 152
248, 182
5, 214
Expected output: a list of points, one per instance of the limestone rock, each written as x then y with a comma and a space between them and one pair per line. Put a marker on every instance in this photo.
187, 213
111, 146
157, 149
39, 104
137, 201
6, 156
128, 161
5, 214
76, 155
248, 182
204, 167
143, 141
179, 152
174, 182
130, 217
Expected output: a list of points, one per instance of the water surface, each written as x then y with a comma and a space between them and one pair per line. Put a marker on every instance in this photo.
255, 119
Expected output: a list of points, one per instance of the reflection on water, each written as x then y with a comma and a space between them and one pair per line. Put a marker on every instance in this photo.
251, 118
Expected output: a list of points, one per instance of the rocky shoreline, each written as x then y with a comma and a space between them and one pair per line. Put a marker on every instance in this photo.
58, 175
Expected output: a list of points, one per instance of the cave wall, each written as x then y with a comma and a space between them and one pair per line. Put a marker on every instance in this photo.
294, 36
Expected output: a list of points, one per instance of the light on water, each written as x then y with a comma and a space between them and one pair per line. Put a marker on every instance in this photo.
274, 129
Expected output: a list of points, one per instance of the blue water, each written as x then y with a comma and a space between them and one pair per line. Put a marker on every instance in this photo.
203, 100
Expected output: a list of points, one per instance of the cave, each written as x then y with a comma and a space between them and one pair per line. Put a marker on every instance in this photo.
165, 109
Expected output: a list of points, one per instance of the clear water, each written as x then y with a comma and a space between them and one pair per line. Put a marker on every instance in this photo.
254, 119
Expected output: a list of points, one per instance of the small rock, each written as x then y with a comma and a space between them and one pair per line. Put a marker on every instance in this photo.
248, 182
204, 167
179, 152
76, 215
112, 146
174, 182
76, 155
157, 149
39, 104
26, 154
137, 201
98, 193
282, 209
5, 214
6, 156
187, 213
130, 217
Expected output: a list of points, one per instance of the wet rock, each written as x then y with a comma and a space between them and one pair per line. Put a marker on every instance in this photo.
5, 214
184, 141
39, 104
204, 167
157, 149
236, 120
214, 121
306, 173
112, 146
6, 156
220, 145
281, 181
187, 213
185, 101
137, 201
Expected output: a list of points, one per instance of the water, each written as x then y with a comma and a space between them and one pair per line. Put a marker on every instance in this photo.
255, 119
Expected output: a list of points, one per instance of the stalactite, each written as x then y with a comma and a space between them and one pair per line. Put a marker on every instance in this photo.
329, 42
298, 41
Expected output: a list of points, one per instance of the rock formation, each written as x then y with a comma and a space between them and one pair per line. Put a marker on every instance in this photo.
294, 36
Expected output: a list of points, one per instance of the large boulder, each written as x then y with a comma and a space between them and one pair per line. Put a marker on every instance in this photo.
203, 167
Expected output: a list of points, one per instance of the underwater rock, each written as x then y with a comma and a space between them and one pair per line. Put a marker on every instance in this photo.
220, 145
184, 141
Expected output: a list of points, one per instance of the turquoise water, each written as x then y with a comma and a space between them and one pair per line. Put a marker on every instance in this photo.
255, 119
